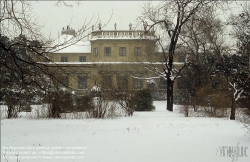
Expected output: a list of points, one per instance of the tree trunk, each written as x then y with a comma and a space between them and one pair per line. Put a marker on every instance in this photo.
9, 111
170, 96
170, 82
233, 108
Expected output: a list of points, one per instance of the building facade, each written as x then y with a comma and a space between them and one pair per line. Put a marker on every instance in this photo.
110, 59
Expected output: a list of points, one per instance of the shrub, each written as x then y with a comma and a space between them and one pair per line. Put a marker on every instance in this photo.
123, 99
26, 108
142, 101
152, 86
15, 103
100, 108
60, 101
83, 103
39, 112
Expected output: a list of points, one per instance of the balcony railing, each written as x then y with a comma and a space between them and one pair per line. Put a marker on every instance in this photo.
122, 34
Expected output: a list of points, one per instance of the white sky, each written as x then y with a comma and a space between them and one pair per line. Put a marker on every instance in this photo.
53, 18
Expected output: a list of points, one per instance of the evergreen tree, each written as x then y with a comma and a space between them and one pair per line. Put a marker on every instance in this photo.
142, 101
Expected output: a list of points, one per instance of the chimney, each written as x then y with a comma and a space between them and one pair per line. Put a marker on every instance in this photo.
68, 31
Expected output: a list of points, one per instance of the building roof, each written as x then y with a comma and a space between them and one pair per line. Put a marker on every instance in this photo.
70, 44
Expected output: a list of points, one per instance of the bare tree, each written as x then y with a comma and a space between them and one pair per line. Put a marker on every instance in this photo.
17, 20
24, 49
225, 68
171, 17
238, 64
205, 44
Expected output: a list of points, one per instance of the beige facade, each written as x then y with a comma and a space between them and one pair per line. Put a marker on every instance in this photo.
109, 59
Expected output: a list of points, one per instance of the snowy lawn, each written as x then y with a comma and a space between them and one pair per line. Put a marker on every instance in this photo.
158, 136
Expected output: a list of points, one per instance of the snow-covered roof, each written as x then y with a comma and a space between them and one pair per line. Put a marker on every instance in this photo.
70, 44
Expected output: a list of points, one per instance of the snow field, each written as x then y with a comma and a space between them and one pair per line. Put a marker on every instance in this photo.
157, 136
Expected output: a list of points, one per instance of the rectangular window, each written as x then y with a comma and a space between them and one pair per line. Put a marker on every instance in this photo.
137, 51
150, 50
82, 82
107, 51
137, 84
162, 84
122, 51
107, 82
64, 59
95, 51
122, 82
65, 81
82, 58
181, 59
162, 59
182, 83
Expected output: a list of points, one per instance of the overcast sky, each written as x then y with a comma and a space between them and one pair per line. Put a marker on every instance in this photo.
54, 17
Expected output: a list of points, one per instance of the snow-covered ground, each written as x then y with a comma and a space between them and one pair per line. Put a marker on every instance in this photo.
158, 136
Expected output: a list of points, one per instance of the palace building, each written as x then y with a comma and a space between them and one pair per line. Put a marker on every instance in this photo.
110, 58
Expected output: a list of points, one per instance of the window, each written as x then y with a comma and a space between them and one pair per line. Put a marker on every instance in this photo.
150, 51
122, 51
65, 81
82, 58
181, 59
162, 84
95, 51
107, 51
137, 51
137, 84
162, 59
82, 82
107, 82
64, 59
182, 83
122, 82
